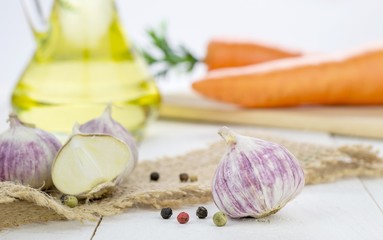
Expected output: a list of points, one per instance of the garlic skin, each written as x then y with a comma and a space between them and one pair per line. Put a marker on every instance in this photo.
255, 178
26, 154
105, 124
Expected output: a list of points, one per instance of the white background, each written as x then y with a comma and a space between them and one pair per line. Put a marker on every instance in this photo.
314, 26
342, 210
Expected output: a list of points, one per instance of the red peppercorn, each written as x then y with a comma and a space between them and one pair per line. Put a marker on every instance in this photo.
183, 217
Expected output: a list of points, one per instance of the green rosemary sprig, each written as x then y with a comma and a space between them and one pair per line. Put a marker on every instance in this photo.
64, 4
170, 57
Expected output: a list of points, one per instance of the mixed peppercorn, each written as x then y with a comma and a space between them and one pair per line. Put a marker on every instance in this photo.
184, 177
183, 217
219, 218
201, 212
68, 200
193, 178
154, 176
166, 213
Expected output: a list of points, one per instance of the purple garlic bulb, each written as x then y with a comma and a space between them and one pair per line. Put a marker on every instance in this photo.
255, 178
27, 154
105, 124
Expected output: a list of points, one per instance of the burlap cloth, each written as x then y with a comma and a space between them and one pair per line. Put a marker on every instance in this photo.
21, 204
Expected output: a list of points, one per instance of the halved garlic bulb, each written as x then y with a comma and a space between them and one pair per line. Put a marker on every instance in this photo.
105, 124
90, 164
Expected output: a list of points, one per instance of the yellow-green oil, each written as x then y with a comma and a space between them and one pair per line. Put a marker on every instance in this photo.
79, 68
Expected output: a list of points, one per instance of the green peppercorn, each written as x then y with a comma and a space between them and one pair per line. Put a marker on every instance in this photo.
184, 177
193, 178
68, 200
219, 219
166, 213
154, 176
201, 212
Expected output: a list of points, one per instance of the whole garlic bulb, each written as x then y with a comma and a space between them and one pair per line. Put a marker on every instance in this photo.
105, 124
26, 154
255, 178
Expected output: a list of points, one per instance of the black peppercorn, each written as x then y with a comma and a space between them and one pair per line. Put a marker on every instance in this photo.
62, 198
201, 212
154, 176
184, 177
166, 213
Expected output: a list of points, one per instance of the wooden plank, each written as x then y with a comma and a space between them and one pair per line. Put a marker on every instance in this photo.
373, 187
354, 121
51, 230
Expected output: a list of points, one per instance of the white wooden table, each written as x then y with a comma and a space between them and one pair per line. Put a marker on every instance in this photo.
348, 209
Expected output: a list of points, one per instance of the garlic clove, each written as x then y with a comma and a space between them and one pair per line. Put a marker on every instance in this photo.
105, 124
88, 164
26, 154
255, 178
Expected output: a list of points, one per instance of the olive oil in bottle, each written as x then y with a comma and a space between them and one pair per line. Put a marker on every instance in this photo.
82, 63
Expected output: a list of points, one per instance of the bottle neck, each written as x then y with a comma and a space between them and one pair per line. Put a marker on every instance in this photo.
83, 28
84, 23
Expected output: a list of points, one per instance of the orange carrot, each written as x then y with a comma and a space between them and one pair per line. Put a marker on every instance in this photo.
223, 53
350, 79
220, 53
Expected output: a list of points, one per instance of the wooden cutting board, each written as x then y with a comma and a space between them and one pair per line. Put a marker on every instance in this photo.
352, 121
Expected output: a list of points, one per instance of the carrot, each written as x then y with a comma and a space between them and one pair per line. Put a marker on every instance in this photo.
349, 79
223, 53
220, 53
